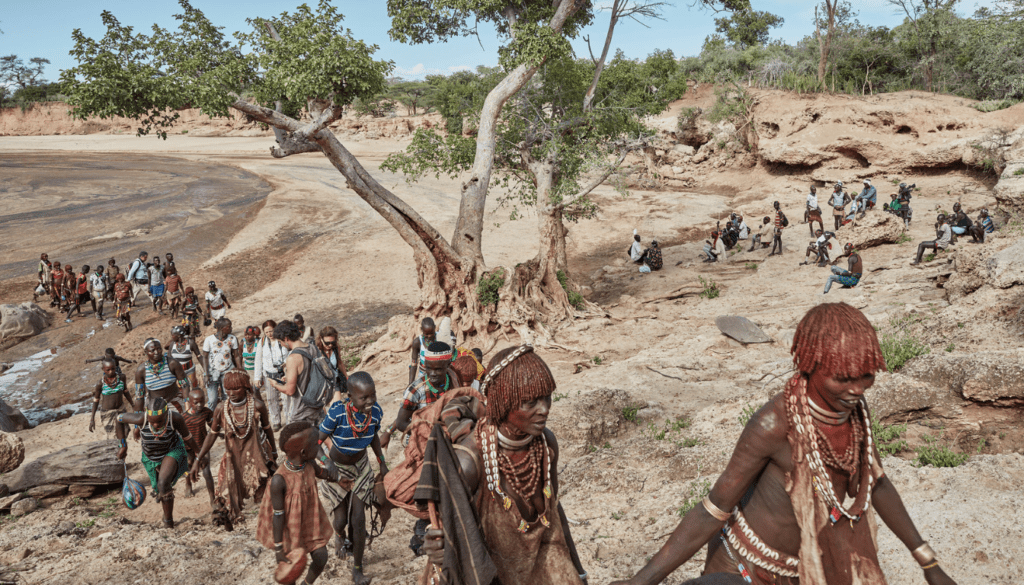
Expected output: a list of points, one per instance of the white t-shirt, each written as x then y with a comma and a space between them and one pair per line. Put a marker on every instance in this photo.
744, 230
216, 299
812, 201
220, 352
636, 251
99, 283
156, 275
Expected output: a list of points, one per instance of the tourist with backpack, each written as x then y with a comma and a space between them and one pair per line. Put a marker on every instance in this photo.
309, 381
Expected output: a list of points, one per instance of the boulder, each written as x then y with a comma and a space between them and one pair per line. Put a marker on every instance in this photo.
90, 463
47, 491
25, 506
83, 491
877, 228
993, 377
11, 419
12, 452
969, 270
1006, 267
1009, 191
24, 320
897, 398
8, 501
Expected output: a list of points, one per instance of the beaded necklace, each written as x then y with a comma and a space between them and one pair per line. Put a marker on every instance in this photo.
353, 422
230, 418
497, 464
447, 383
799, 413
288, 465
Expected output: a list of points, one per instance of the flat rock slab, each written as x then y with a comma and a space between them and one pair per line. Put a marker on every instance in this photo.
47, 491
741, 329
90, 463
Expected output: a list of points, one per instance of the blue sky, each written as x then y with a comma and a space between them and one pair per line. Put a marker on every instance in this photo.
43, 28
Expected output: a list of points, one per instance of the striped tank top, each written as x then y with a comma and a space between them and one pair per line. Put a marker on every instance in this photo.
108, 390
159, 377
155, 446
248, 356
181, 354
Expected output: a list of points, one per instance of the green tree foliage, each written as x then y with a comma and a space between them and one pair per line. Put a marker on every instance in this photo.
461, 95
746, 28
414, 95
15, 72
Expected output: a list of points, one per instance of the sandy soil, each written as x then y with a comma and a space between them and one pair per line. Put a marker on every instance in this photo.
314, 247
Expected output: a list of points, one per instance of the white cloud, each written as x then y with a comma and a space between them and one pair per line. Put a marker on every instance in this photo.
419, 71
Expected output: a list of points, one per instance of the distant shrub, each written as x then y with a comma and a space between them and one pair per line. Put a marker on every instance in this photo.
488, 287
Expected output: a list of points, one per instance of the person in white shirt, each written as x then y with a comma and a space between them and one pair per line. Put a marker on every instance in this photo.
714, 249
636, 251
138, 277
156, 285
270, 358
813, 212
98, 287
216, 302
306, 333
220, 354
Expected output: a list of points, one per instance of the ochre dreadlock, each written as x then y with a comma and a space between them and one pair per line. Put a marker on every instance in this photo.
838, 338
526, 378
237, 379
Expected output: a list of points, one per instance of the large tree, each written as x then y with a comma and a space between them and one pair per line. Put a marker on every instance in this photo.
308, 59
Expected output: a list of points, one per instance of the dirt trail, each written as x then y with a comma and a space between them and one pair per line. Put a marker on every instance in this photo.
650, 395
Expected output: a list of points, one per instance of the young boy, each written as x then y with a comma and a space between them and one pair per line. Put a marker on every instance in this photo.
349, 428
112, 398
197, 419
80, 293
174, 289
156, 285
191, 313
109, 354
112, 271
57, 286
291, 516
122, 302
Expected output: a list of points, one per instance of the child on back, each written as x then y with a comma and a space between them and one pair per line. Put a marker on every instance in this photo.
291, 515
109, 354
197, 419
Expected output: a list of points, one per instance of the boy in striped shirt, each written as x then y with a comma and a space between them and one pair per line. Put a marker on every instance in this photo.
348, 429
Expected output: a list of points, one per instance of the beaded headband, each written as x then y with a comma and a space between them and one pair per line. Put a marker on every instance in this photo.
434, 356
149, 342
160, 412
493, 372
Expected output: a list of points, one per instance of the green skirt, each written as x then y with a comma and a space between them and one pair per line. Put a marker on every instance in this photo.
153, 467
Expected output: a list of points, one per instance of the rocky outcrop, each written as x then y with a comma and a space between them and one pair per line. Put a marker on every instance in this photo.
1006, 267
24, 320
986, 377
11, 419
899, 398
90, 463
875, 229
12, 452
1009, 192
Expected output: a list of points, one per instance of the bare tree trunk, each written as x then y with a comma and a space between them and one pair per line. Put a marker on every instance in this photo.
469, 227
825, 41
588, 99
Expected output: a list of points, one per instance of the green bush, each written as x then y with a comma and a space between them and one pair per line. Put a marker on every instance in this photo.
1018, 172
575, 298
993, 105
887, 438
899, 346
488, 287
752, 266
710, 287
939, 456
629, 413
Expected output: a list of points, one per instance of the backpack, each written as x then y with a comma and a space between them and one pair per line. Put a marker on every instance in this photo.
785, 220
321, 382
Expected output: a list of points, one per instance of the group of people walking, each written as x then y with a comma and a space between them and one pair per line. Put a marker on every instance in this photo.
159, 281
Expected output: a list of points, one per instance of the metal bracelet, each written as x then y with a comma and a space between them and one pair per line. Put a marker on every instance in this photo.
924, 554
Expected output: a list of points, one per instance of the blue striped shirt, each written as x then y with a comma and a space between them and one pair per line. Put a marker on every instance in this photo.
336, 425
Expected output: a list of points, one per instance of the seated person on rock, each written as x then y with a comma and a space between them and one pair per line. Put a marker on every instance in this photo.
652, 258
763, 237
983, 226
636, 251
714, 248
743, 231
943, 234
960, 223
867, 199
794, 504
819, 248
850, 277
